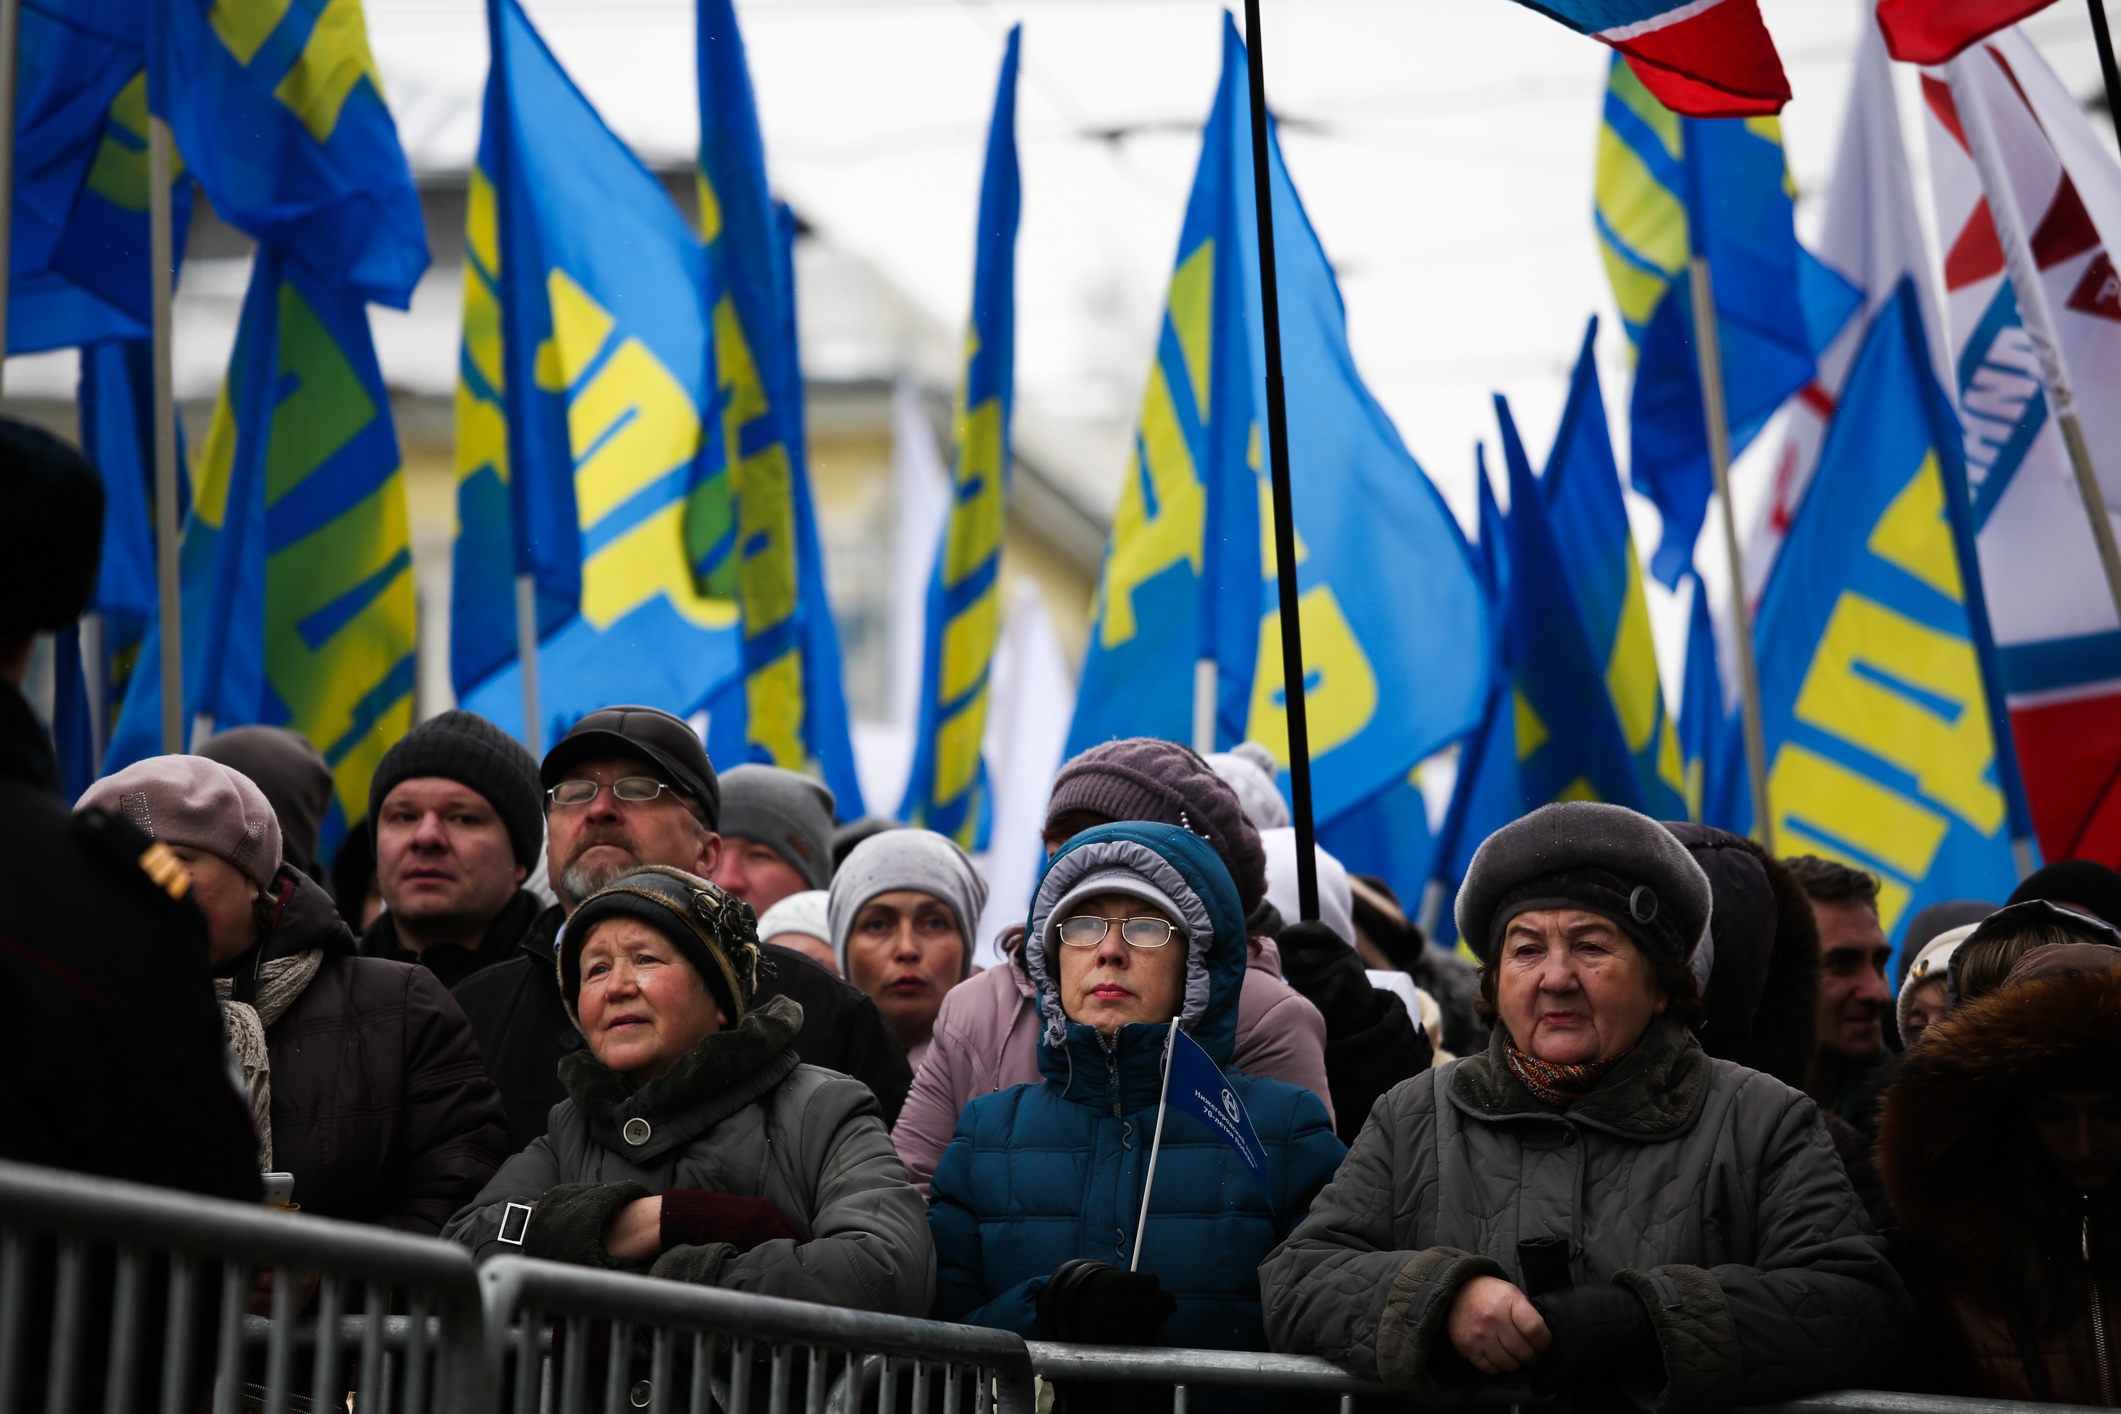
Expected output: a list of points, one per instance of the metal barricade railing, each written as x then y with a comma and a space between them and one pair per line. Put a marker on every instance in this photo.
667, 1347
1187, 1370
120, 1297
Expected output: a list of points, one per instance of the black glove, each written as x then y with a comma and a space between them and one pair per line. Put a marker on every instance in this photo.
1096, 1303
1598, 1331
1318, 962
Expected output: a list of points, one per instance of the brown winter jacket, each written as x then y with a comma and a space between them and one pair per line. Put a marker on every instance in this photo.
380, 1108
1992, 1242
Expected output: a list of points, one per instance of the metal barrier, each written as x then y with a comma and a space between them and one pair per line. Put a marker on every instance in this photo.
1186, 1370
102, 1282
702, 1339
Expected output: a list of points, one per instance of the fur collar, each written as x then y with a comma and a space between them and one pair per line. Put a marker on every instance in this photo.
1654, 1093
712, 1081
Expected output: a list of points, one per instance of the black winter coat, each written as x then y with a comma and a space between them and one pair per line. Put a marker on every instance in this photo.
523, 1030
454, 964
380, 1106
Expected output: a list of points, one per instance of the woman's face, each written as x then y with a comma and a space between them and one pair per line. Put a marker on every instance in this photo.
1572, 987
224, 894
907, 953
1116, 982
642, 1005
1925, 1008
2081, 1132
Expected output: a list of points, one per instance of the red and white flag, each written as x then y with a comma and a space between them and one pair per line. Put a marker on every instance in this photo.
2057, 634
1932, 31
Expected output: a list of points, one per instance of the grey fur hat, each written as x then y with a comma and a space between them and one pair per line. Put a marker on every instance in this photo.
1585, 854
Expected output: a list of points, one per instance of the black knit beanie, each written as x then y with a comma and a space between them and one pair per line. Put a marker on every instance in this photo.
1142, 778
465, 747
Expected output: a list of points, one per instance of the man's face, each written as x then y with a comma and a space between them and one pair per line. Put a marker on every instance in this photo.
1853, 995
442, 854
591, 845
756, 873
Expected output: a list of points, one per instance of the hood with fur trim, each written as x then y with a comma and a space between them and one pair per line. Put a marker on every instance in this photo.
1962, 1167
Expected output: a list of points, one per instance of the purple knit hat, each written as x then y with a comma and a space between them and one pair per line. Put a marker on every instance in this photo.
190, 800
1142, 778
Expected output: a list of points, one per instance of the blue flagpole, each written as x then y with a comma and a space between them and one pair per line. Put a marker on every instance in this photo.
1141, 1226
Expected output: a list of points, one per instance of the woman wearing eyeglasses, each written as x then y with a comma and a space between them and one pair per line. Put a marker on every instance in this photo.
1037, 1202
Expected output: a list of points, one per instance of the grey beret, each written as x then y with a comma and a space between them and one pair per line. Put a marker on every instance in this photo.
1585, 835
786, 811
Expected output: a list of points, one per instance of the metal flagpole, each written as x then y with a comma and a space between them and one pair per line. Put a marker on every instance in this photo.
2033, 308
161, 271
2107, 69
10, 51
1156, 1144
527, 657
1292, 650
1205, 686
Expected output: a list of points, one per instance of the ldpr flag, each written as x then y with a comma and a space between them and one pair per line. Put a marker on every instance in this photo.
1876, 676
1589, 519
1394, 621
749, 524
2058, 640
1708, 58
1932, 31
277, 107
296, 560
1710, 733
79, 241
947, 791
583, 391
1669, 187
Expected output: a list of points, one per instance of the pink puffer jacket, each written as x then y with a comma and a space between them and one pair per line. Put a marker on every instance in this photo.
986, 1039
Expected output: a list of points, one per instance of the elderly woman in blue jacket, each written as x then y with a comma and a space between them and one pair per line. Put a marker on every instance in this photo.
1037, 1202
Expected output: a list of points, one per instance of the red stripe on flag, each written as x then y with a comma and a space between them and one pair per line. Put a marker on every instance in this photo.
1720, 63
1938, 94
1932, 31
1977, 254
2070, 756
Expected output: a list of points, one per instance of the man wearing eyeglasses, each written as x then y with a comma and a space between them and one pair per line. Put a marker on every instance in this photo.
628, 787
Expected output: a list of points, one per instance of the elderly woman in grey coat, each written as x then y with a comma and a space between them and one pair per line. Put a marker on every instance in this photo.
694, 1145
1593, 1205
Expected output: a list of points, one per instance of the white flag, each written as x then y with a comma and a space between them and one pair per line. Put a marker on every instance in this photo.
1027, 731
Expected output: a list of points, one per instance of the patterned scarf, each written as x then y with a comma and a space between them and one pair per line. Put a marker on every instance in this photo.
1558, 1086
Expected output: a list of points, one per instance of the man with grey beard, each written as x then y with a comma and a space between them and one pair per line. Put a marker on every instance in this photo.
628, 787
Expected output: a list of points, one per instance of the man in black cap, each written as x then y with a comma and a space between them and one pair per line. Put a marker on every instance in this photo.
627, 787
102, 954
454, 812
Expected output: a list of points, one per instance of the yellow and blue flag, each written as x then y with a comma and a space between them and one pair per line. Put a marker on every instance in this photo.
582, 399
947, 790
1589, 520
1669, 187
296, 558
1878, 682
1711, 735
278, 108
1395, 625
749, 523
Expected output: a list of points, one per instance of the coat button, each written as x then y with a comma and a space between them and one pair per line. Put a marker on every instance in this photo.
641, 1393
1568, 1136
636, 1131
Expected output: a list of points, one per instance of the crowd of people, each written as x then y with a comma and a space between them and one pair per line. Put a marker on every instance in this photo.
1675, 1138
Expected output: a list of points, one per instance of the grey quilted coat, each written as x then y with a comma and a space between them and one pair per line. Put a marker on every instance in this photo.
1708, 1190
738, 1116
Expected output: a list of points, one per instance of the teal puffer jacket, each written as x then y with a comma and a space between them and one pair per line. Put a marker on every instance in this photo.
1042, 1173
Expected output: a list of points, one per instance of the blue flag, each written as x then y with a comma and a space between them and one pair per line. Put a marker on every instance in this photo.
297, 558
1886, 748
947, 789
277, 106
584, 392
1387, 836
1590, 524
1711, 736
1195, 1085
745, 516
1669, 187
1395, 625
1570, 745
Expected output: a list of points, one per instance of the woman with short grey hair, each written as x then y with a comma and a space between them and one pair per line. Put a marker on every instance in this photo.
1593, 1205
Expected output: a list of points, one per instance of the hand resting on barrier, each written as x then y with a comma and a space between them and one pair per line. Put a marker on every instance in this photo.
1098, 1304
1496, 1327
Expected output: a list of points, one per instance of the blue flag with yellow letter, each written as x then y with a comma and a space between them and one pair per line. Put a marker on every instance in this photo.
947, 790
749, 527
296, 558
583, 396
1395, 625
277, 106
1669, 187
1877, 676
1589, 520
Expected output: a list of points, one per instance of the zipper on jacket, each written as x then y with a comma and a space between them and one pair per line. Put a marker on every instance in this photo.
1112, 1074
2106, 1379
